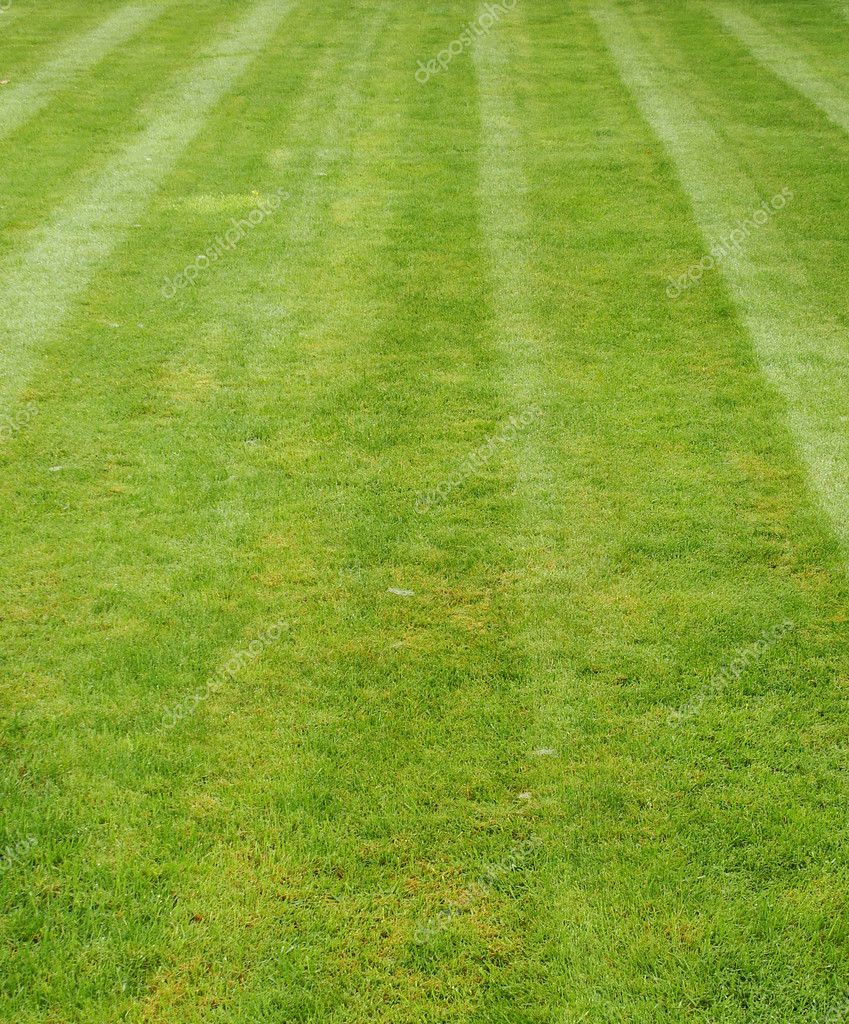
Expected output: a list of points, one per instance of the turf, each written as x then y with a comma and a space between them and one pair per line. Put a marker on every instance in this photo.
415, 607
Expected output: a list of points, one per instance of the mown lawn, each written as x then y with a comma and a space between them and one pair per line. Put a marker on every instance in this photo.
424, 509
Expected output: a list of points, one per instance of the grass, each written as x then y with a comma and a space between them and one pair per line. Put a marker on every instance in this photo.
452, 786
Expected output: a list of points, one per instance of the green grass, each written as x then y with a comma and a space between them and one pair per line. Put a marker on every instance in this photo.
473, 802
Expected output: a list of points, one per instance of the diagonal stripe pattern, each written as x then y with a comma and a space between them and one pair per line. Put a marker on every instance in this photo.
39, 286
801, 351
784, 62
20, 102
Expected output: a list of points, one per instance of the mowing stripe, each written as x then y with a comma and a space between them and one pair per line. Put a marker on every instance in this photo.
801, 352
334, 141
505, 221
502, 186
20, 102
507, 230
330, 137
39, 286
784, 62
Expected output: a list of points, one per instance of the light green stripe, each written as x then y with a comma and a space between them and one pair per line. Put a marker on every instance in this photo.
504, 215
802, 352
37, 289
332, 143
785, 62
21, 101
525, 346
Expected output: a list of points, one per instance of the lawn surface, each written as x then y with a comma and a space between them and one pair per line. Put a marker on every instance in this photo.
424, 512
